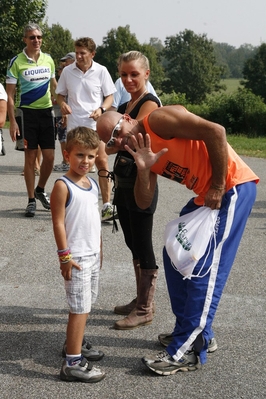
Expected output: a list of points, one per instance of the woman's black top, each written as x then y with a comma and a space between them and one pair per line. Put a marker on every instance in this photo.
125, 169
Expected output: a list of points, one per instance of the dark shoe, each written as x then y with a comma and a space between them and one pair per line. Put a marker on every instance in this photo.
30, 210
43, 197
166, 339
87, 351
81, 371
61, 167
164, 364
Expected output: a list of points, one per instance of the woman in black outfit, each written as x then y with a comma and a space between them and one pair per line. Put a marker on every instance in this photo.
135, 222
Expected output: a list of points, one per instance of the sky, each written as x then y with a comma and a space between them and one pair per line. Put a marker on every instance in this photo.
235, 22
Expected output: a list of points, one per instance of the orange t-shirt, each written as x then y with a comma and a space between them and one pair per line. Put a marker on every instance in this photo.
187, 162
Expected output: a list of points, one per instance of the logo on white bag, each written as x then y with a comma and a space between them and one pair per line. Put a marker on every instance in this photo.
182, 238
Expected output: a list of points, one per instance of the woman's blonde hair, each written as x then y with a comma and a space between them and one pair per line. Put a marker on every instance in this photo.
133, 56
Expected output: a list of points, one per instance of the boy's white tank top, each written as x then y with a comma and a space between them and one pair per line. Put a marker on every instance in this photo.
82, 218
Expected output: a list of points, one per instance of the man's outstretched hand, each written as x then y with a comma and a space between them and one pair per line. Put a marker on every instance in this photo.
143, 155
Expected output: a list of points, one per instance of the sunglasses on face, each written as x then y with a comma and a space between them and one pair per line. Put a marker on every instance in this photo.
35, 37
114, 134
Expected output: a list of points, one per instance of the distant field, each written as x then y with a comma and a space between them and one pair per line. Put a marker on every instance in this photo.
231, 84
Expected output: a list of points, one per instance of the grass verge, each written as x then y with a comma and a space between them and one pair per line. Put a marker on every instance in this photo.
251, 147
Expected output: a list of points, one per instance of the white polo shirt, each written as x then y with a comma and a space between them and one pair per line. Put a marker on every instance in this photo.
85, 92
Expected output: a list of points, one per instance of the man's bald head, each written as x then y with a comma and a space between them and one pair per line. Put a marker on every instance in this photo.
105, 124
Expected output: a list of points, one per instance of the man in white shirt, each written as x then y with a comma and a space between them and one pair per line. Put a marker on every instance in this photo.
89, 89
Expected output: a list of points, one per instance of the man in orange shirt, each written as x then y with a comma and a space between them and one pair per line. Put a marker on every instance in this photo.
192, 151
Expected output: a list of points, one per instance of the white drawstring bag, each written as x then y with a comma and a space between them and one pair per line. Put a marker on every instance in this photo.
188, 237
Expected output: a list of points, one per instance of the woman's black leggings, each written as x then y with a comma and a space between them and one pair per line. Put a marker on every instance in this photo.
137, 229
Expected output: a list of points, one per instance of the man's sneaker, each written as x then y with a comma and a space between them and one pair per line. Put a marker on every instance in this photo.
43, 197
87, 351
166, 339
108, 213
61, 167
164, 364
30, 210
81, 371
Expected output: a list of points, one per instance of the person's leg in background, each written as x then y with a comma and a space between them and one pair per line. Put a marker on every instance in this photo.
46, 141
61, 133
101, 162
38, 160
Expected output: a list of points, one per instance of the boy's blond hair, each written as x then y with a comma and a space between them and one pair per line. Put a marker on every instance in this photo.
84, 136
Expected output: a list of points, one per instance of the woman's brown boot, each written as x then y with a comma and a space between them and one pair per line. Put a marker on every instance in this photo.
143, 312
126, 309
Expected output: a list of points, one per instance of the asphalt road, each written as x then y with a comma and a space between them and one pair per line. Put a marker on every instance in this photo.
33, 311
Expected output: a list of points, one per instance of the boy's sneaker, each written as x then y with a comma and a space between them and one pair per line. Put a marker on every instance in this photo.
164, 364
30, 210
166, 339
87, 351
81, 371
43, 197
108, 213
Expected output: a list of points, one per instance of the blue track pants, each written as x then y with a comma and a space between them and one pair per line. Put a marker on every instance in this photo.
194, 302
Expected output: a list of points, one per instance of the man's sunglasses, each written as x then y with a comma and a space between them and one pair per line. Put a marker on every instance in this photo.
35, 37
111, 141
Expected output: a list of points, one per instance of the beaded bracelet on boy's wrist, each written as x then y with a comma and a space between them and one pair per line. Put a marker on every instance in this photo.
63, 251
65, 258
64, 255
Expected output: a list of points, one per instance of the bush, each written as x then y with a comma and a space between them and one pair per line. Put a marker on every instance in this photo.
174, 98
240, 112
180, 98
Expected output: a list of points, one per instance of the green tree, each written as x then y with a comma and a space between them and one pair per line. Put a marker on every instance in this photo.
121, 40
14, 15
254, 72
233, 59
116, 42
157, 44
191, 66
57, 42
222, 52
156, 69
237, 59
